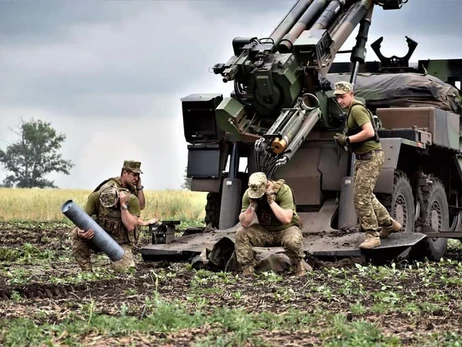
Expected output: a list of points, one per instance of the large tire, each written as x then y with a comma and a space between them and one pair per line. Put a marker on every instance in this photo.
435, 213
212, 208
401, 203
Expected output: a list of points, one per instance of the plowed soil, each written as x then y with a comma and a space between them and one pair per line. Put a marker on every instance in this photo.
48, 285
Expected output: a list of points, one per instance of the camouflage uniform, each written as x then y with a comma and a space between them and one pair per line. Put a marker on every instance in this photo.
368, 164
370, 211
255, 235
103, 206
269, 231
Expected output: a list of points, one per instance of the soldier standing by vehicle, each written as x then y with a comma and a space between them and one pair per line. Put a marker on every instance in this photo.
116, 208
362, 139
273, 204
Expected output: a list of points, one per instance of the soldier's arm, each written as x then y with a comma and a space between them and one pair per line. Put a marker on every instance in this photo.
141, 198
283, 206
147, 222
91, 208
140, 193
248, 211
129, 210
361, 117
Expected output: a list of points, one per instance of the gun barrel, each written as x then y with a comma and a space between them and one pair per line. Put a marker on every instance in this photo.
328, 15
83, 221
285, 46
289, 20
349, 21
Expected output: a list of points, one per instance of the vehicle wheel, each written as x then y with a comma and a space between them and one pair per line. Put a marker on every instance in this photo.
435, 213
400, 203
212, 210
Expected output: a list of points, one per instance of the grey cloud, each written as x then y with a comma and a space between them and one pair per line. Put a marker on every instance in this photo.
149, 51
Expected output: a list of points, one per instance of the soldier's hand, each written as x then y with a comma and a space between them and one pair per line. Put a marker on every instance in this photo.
341, 139
89, 234
152, 221
138, 183
270, 196
253, 203
123, 197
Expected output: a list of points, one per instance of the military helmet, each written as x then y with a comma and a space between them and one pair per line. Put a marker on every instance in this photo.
108, 196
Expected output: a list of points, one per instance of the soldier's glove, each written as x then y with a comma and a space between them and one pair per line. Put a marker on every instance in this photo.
270, 196
342, 139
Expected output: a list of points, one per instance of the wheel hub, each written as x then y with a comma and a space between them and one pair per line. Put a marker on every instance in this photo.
400, 210
435, 217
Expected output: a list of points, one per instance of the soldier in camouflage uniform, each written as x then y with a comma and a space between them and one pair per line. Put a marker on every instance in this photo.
360, 136
129, 179
117, 210
278, 224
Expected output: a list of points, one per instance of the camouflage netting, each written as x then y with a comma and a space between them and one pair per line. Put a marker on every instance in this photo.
403, 90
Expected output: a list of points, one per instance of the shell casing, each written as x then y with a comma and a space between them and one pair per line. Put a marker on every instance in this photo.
278, 145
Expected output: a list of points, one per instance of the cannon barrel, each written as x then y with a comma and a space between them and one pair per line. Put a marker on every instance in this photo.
289, 20
345, 25
349, 21
328, 15
83, 221
285, 46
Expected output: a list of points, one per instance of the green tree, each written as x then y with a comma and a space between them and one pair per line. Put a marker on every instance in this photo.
187, 180
33, 156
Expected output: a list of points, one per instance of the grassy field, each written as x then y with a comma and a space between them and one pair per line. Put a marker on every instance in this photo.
45, 300
45, 204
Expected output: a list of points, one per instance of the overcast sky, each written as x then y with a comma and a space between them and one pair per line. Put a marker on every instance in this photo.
110, 74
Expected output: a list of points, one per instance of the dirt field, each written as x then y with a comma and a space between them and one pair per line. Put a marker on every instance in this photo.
45, 299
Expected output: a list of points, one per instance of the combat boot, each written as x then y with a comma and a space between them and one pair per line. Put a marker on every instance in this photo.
300, 268
394, 227
248, 271
371, 241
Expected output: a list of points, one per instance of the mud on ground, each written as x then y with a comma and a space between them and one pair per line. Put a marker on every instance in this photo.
38, 275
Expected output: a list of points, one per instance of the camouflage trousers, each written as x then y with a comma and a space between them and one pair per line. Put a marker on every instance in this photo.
82, 250
370, 211
291, 239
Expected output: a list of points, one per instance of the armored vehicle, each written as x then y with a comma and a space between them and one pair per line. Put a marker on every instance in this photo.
281, 119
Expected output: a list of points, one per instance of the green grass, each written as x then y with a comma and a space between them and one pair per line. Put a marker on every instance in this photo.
397, 305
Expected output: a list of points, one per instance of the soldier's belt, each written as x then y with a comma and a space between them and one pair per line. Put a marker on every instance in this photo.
368, 155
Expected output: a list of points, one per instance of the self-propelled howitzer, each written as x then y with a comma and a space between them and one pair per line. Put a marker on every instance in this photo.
281, 117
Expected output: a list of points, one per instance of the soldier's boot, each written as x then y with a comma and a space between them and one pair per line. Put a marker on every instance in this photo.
126, 263
248, 271
370, 242
300, 267
394, 227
